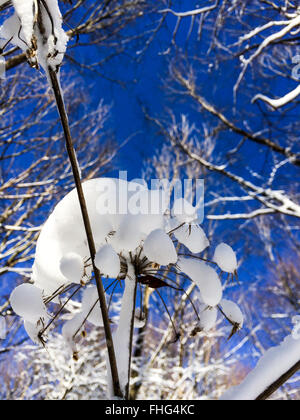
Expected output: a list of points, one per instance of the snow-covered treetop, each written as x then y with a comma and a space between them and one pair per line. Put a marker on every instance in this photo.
36, 28
134, 237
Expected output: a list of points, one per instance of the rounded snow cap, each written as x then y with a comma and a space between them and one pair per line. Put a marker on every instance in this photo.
159, 248
27, 301
225, 257
72, 267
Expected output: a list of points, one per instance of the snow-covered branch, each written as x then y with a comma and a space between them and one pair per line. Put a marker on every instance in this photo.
190, 88
275, 367
278, 103
274, 201
288, 28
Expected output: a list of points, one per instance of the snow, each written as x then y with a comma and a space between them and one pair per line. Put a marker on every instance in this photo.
3, 329
159, 248
232, 312
121, 338
139, 319
72, 267
21, 29
225, 257
9, 30
90, 312
184, 211
64, 232
24, 9
63, 257
208, 318
296, 329
27, 302
33, 331
128, 236
108, 261
205, 278
70, 328
193, 237
91, 306
273, 364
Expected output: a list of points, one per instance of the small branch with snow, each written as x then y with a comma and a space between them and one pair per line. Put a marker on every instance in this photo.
288, 27
278, 103
190, 88
190, 13
124, 334
36, 28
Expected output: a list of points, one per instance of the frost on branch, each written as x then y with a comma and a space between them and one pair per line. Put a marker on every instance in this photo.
36, 28
193, 237
137, 244
205, 277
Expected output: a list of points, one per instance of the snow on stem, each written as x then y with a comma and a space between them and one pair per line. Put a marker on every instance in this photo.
275, 367
279, 382
54, 81
124, 335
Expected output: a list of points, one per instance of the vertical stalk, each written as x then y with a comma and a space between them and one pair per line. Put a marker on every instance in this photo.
139, 347
123, 337
91, 244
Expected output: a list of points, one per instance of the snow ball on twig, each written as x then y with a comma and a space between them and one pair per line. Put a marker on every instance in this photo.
232, 312
225, 257
159, 248
193, 237
72, 267
205, 278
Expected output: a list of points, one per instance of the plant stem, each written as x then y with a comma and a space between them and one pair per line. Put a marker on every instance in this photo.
91, 244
